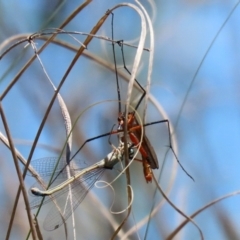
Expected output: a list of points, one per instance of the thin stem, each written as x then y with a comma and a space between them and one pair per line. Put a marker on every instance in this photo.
20, 177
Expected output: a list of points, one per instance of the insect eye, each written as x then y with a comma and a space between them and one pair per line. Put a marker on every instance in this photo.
121, 118
131, 153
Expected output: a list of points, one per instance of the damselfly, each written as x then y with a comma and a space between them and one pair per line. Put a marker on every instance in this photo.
80, 183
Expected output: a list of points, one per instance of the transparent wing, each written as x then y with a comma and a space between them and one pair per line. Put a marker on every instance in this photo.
77, 186
45, 166
66, 200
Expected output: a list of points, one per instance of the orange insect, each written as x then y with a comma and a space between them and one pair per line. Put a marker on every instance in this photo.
149, 157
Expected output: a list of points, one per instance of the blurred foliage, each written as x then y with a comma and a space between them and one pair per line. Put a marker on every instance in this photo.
207, 129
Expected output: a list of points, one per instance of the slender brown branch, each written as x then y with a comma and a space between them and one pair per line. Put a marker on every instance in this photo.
177, 209
22, 187
174, 233
45, 117
78, 54
42, 48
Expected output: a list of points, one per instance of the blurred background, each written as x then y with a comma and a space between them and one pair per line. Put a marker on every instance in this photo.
203, 110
